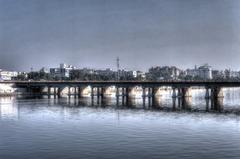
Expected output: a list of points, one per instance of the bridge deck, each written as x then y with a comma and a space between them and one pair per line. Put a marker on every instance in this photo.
127, 83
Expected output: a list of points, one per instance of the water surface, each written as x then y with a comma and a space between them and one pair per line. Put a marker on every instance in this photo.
72, 128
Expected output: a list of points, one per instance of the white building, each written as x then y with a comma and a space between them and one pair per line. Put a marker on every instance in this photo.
62, 72
7, 75
202, 72
205, 72
139, 74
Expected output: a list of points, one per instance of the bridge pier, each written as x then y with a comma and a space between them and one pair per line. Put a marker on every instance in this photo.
181, 92
75, 92
49, 91
183, 95
102, 92
179, 95
174, 94
98, 92
79, 92
150, 95
185, 103
217, 98
207, 103
117, 95
55, 92
144, 95
217, 92
92, 93
217, 104
186, 92
153, 95
69, 92
59, 90
207, 94
127, 89
123, 95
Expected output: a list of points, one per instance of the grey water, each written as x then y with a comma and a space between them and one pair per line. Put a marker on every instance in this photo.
69, 128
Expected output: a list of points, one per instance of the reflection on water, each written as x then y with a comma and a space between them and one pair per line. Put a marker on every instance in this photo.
197, 103
168, 128
229, 104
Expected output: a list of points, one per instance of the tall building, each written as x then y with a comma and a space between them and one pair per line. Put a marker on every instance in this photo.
62, 72
164, 73
203, 72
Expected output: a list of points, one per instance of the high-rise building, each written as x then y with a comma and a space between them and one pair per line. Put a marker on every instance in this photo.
203, 72
62, 72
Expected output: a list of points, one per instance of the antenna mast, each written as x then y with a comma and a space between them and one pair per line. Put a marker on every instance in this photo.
118, 66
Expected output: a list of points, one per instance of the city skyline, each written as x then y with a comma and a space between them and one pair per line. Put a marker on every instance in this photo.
114, 68
69, 72
142, 33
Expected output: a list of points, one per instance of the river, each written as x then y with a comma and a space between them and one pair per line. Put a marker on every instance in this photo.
42, 128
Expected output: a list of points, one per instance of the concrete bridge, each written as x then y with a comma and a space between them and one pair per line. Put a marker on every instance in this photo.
149, 89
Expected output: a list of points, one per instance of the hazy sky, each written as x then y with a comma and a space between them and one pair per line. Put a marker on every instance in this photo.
143, 33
